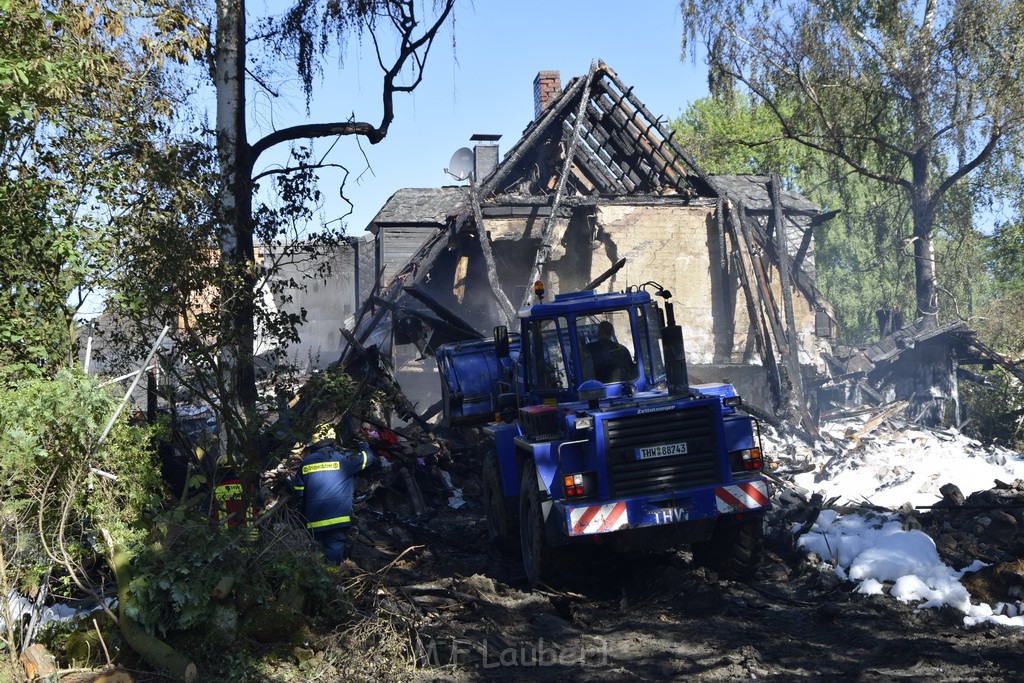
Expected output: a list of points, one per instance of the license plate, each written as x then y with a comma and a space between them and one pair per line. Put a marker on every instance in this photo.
661, 451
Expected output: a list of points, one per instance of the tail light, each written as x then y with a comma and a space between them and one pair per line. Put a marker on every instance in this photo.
747, 460
579, 484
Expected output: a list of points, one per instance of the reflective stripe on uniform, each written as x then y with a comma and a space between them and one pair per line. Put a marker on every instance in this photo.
363, 466
228, 491
321, 466
327, 522
299, 488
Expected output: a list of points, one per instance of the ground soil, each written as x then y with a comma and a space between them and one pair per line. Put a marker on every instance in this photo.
657, 617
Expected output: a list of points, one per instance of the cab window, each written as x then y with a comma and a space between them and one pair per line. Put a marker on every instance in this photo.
547, 340
606, 347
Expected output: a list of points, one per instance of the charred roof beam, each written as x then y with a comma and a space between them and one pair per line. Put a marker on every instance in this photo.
442, 312
627, 95
625, 177
600, 163
596, 165
624, 150
642, 138
641, 153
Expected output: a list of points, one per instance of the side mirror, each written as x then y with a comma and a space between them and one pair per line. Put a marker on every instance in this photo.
501, 341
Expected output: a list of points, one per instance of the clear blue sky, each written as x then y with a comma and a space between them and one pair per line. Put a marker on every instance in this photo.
484, 84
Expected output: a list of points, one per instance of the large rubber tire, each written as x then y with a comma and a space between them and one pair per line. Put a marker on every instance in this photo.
735, 548
539, 559
502, 528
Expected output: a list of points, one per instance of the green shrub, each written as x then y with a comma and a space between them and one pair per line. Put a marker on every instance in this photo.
996, 412
49, 429
175, 573
59, 487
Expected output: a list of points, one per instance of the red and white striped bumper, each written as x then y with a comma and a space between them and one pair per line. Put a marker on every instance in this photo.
752, 495
653, 510
598, 519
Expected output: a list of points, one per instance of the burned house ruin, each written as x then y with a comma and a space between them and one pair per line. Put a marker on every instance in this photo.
597, 186
597, 194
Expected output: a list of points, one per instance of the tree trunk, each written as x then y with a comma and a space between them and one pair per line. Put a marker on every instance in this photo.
235, 235
156, 652
922, 206
924, 265
923, 200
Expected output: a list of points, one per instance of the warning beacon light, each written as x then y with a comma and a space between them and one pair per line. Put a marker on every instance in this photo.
538, 290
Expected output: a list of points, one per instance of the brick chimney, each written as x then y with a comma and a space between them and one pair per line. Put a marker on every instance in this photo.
546, 87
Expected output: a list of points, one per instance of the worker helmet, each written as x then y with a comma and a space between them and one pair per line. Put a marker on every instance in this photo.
322, 434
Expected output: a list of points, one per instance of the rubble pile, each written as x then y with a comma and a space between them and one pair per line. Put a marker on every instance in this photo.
887, 468
884, 461
983, 526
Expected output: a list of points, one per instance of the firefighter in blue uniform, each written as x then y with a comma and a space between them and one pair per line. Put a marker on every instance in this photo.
611, 360
324, 485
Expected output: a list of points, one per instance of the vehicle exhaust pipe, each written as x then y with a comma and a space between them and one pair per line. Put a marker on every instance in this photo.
675, 353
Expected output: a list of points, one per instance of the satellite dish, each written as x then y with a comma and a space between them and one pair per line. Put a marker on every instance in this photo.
461, 165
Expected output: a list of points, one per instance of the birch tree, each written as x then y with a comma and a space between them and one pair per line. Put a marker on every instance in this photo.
916, 94
402, 40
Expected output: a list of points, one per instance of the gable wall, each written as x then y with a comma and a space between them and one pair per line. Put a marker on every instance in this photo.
677, 246
669, 245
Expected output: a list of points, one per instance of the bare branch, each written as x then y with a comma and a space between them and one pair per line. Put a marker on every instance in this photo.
285, 170
260, 82
410, 49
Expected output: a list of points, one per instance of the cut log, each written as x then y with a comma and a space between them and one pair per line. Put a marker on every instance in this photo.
116, 675
223, 587
37, 662
157, 653
112, 675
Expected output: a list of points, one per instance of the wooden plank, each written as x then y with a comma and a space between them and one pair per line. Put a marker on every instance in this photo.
796, 376
744, 270
549, 234
875, 420
456, 332
768, 300
506, 211
506, 311
596, 282
867, 389
443, 312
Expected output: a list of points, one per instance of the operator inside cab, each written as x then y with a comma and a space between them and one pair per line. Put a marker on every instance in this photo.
610, 360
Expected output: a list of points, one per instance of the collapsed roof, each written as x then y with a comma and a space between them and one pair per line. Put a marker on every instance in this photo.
595, 143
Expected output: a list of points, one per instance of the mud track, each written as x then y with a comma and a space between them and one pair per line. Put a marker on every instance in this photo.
659, 617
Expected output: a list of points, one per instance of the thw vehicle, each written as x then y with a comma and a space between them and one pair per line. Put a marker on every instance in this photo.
598, 437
